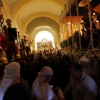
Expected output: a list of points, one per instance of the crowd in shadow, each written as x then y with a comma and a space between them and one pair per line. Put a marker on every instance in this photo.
59, 63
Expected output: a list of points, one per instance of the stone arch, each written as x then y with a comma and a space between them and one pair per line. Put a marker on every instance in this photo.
24, 3
34, 16
53, 25
53, 32
43, 22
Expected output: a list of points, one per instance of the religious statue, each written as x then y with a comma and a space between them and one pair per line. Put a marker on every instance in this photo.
11, 32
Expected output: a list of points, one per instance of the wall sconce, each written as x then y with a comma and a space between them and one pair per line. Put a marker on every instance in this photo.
93, 14
82, 23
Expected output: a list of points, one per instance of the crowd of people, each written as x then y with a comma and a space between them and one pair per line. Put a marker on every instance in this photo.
50, 75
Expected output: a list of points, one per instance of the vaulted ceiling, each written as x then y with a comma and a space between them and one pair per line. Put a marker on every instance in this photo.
30, 14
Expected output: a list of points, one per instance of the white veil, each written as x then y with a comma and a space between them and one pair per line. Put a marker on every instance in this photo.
40, 78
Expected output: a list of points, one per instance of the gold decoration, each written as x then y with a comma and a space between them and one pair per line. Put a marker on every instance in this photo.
3, 58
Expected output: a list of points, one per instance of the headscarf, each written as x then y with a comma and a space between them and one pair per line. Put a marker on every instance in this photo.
11, 72
84, 59
45, 71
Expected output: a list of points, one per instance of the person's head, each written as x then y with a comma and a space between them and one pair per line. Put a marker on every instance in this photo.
84, 62
19, 91
50, 60
12, 70
75, 70
37, 61
23, 65
46, 73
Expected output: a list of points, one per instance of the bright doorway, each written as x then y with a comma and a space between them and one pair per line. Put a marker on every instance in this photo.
44, 40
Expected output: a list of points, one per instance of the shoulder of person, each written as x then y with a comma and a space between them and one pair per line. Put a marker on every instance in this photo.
21, 89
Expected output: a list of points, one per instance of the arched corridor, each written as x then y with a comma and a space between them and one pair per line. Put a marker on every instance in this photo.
53, 33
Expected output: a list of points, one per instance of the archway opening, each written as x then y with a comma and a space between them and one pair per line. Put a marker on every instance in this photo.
44, 40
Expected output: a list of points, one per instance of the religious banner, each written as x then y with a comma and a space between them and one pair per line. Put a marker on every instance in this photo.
97, 8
